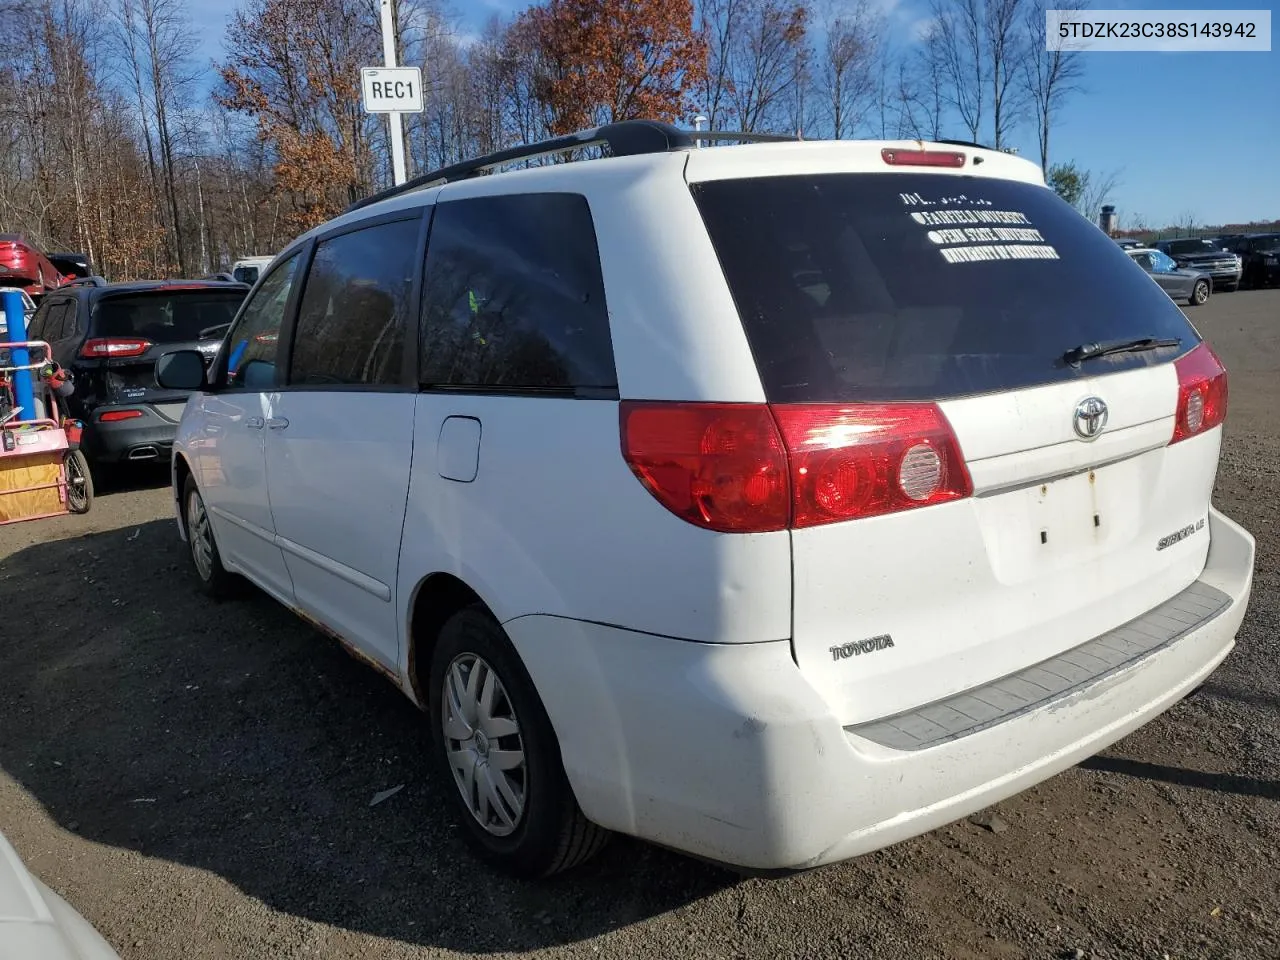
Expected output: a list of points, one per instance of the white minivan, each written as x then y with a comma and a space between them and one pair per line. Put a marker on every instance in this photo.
772, 502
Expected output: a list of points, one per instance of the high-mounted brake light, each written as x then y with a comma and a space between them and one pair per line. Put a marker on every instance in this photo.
752, 468
922, 158
1202, 393
105, 348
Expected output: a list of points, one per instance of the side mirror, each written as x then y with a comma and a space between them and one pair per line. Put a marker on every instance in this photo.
180, 370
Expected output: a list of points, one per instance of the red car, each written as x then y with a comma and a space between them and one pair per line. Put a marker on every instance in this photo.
25, 267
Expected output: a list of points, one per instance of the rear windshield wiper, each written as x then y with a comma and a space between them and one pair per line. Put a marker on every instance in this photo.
1087, 351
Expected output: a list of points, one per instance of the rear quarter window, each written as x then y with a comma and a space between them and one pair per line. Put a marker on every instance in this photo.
901, 286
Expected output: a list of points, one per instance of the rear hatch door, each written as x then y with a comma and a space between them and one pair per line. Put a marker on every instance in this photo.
864, 295
131, 330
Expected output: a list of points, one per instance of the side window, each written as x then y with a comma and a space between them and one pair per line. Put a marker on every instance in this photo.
356, 305
70, 319
39, 320
251, 363
513, 297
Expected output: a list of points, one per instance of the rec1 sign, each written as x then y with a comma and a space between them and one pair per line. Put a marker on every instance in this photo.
392, 89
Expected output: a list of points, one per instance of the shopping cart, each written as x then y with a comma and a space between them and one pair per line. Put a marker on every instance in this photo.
43, 472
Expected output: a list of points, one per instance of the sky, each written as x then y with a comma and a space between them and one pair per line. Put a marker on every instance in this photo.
1187, 135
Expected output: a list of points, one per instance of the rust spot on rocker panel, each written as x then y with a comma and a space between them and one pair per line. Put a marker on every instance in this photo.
350, 649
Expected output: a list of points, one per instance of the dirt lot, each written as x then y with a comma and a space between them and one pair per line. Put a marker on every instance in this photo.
196, 779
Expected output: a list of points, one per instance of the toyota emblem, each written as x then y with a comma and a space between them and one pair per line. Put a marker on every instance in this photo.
1090, 418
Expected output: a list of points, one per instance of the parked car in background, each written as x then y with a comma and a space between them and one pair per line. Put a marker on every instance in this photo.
730, 497
1227, 241
72, 264
247, 270
22, 265
1129, 244
109, 337
1180, 283
1260, 256
38, 924
28, 308
1196, 253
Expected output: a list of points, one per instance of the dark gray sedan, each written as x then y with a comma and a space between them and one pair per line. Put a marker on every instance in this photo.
1180, 283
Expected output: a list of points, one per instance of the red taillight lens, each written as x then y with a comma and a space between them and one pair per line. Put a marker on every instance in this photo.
717, 465
1202, 393
863, 460
111, 416
750, 468
922, 158
103, 348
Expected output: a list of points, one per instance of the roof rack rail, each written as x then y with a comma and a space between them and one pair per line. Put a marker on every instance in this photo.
624, 138
93, 281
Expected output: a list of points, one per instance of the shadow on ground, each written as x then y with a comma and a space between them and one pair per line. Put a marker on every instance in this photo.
124, 478
232, 738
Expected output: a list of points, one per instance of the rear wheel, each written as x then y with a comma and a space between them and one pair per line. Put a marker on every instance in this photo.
214, 578
496, 744
79, 482
1199, 293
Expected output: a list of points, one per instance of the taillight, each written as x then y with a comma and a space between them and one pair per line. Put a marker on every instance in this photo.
716, 465
104, 348
112, 416
1202, 393
863, 460
922, 158
752, 468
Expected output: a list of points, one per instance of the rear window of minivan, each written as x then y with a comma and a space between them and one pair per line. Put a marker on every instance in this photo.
919, 286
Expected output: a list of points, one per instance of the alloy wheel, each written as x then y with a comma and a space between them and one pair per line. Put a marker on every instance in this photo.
200, 535
484, 744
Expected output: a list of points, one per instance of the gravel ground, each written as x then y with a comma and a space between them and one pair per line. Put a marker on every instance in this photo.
196, 779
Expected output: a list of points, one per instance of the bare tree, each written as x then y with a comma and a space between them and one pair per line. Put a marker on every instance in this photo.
719, 23
921, 87
1050, 74
763, 61
1096, 188
1007, 51
956, 40
169, 42
848, 70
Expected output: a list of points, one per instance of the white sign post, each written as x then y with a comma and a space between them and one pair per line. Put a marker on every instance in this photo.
392, 90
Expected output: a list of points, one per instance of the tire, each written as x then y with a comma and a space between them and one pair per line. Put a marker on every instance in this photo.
1228, 288
214, 579
533, 827
79, 482
1199, 293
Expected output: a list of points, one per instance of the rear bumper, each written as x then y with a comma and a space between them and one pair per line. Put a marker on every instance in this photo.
148, 438
727, 752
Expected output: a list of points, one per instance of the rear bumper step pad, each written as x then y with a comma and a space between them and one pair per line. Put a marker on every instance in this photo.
1036, 686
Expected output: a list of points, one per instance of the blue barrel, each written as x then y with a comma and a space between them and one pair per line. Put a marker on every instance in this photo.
16, 320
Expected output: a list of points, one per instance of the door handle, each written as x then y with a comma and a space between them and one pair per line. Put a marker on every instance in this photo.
277, 423
253, 423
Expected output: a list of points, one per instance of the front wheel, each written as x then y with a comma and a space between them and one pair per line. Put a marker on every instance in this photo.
214, 578
79, 482
496, 744
1199, 293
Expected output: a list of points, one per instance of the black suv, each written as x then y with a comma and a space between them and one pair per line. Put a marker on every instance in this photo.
1260, 254
109, 336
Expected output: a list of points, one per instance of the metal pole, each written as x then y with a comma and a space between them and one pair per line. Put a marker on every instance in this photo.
393, 119
16, 320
